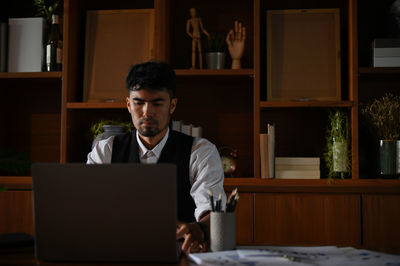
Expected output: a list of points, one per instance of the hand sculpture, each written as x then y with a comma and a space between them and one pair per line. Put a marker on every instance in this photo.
235, 40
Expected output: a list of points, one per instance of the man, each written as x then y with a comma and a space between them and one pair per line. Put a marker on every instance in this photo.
151, 101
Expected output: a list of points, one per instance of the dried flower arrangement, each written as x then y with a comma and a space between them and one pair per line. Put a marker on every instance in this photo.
384, 116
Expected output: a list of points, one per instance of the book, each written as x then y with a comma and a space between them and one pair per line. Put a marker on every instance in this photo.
25, 44
186, 129
3, 46
297, 160
298, 174
271, 150
197, 132
177, 125
264, 159
296, 167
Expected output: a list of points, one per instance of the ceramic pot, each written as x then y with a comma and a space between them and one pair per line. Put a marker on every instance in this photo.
109, 130
215, 60
387, 158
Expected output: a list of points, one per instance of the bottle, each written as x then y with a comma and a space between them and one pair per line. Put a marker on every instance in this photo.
54, 46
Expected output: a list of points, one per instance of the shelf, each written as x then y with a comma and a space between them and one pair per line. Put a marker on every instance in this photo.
96, 105
31, 75
293, 104
16, 182
379, 70
215, 72
314, 185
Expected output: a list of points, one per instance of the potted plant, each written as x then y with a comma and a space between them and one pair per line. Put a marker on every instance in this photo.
383, 115
338, 136
46, 8
215, 51
107, 128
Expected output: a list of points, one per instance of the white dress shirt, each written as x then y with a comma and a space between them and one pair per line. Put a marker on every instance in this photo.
205, 169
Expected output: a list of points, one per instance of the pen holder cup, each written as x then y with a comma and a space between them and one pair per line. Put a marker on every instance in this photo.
222, 231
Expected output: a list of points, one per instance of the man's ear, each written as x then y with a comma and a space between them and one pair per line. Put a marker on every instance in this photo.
172, 107
128, 104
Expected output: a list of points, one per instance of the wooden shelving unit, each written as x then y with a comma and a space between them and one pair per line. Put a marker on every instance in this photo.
51, 122
31, 75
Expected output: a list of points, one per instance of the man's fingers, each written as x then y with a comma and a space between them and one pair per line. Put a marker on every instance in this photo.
181, 231
187, 243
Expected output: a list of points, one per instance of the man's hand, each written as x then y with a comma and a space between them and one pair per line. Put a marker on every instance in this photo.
235, 40
193, 237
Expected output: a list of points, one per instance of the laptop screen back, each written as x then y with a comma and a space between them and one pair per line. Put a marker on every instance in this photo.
112, 212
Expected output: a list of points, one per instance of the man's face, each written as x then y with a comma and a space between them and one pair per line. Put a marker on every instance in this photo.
150, 111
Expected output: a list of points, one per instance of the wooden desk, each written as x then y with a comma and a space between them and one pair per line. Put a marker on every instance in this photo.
25, 256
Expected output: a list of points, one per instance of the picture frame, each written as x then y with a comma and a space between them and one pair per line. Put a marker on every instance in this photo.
115, 40
303, 55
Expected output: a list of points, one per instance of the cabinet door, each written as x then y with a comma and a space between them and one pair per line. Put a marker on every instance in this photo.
381, 220
244, 219
307, 219
16, 213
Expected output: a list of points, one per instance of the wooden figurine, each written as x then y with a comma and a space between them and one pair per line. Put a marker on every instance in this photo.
235, 40
196, 24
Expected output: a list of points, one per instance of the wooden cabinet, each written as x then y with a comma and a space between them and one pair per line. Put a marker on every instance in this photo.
16, 214
245, 219
307, 219
381, 220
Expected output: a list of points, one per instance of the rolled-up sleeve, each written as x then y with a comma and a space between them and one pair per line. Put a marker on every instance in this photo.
205, 174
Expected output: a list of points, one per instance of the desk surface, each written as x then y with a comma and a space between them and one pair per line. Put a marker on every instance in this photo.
25, 256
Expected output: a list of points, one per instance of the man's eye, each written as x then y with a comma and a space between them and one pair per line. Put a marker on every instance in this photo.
138, 103
157, 104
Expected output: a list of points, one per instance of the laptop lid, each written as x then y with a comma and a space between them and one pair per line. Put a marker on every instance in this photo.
109, 212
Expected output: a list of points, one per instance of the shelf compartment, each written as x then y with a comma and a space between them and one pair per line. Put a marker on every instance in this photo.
16, 182
96, 105
295, 104
31, 75
215, 72
379, 70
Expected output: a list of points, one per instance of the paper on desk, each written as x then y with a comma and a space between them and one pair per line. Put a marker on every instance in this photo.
363, 257
242, 257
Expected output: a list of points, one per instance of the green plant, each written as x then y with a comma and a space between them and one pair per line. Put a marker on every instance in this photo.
337, 138
14, 163
384, 116
97, 128
46, 8
216, 43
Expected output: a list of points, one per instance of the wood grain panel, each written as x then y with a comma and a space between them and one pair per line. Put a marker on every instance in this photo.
244, 219
16, 212
381, 220
307, 219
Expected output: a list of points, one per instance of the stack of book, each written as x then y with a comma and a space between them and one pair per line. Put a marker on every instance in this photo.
267, 151
188, 129
297, 167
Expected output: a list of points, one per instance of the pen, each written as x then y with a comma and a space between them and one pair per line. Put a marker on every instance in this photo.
218, 204
234, 202
230, 199
211, 200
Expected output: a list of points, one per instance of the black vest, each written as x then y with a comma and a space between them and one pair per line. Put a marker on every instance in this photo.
177, 150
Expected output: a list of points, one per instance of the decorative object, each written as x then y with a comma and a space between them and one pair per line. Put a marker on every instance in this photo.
303, 55
196, 25
384, 116
215, 51
46, 8
235, 40
228, 159
107, 128
338, 138
115, 40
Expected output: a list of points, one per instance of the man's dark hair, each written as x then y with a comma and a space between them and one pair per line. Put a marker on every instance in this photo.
152, 75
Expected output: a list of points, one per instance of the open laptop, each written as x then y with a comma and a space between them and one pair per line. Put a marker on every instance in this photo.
109, 212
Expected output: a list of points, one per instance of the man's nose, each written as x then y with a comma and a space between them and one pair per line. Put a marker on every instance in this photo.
147, 109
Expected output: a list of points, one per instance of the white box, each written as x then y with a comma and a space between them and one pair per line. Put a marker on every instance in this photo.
387, 61
25, 46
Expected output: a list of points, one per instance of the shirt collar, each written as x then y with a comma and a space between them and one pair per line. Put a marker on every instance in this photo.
156, 150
